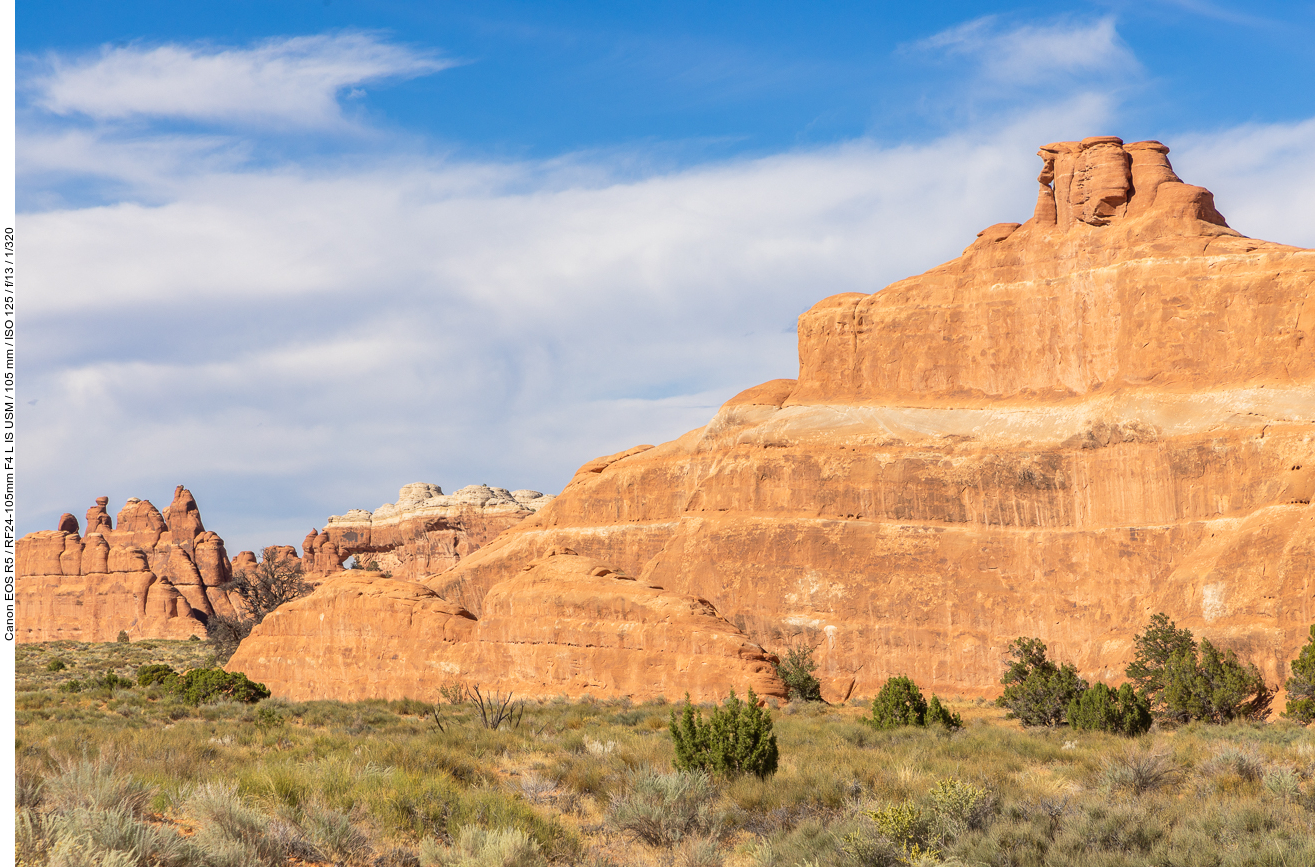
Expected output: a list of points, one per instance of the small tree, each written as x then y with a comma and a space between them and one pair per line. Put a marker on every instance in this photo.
796, 672
1301, 685
1122, 711
1155, 647
1037, 692
899, 703
277, 579
938, 713
1206, 683
738, 739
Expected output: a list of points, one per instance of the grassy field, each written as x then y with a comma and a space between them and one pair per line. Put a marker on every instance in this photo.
136, 776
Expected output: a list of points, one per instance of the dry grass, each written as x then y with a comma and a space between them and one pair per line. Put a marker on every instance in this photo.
108, 775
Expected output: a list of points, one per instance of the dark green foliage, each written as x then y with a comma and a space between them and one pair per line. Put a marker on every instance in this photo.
56, 664
796, 672
1037, 692
201, 685
109, 680
193, 638
899, 703
1122, 711
1213, 685
939, 713
1301, 685
738, 739
1154, 648
123, 637
155, 673
72, 686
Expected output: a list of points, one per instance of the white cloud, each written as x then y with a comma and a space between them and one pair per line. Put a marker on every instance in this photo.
1032, 55
290, 82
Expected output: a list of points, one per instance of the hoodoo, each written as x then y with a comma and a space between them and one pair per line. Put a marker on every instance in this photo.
1101, 413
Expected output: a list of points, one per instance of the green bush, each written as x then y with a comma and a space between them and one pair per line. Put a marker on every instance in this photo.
796, 672
1120, 711
201, 685
1301, 685
1212, 685
1153, 650
899, 703
123, 637
155, 673
736, 740
1037, 692
939, 713
56, 664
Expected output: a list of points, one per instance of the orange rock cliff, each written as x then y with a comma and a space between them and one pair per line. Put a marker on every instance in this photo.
153, 576
1101, 413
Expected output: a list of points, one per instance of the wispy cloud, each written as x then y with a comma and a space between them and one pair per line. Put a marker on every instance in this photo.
289, 82
1029, 54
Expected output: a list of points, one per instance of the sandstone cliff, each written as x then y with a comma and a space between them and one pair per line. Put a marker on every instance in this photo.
154, 576
1101, 413
564, 625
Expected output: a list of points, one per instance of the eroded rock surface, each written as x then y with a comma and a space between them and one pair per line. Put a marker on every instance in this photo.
154, 576
424, 533
1101, 413
564, 625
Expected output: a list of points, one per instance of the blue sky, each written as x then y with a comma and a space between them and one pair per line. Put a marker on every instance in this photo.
297, 254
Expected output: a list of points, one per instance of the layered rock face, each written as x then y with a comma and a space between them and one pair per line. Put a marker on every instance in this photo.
154, 576
1101, 413
564, 625
424, 533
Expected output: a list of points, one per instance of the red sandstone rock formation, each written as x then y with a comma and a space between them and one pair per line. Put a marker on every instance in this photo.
565, 625
1101, 413
155, 576
424, 533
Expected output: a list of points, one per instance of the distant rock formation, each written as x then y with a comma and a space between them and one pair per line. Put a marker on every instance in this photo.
566, 625
1101, 413
424, 533
154, 576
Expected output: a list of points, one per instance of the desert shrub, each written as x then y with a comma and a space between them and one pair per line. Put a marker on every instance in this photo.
123, 637
1205, 683
898, 703
201, 685
112, 836
959, 806
796, 672
56, 664
473, 846
938, 713
155, 673
662, 809
908, 828
231, 834
95, 784
1301, 684
73, 685
1139, 770
1120, 711
1037, 692
737, 739
334, 834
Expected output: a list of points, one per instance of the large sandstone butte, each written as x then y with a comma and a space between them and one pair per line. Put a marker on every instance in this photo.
1102, 413
153, 576
424, 533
